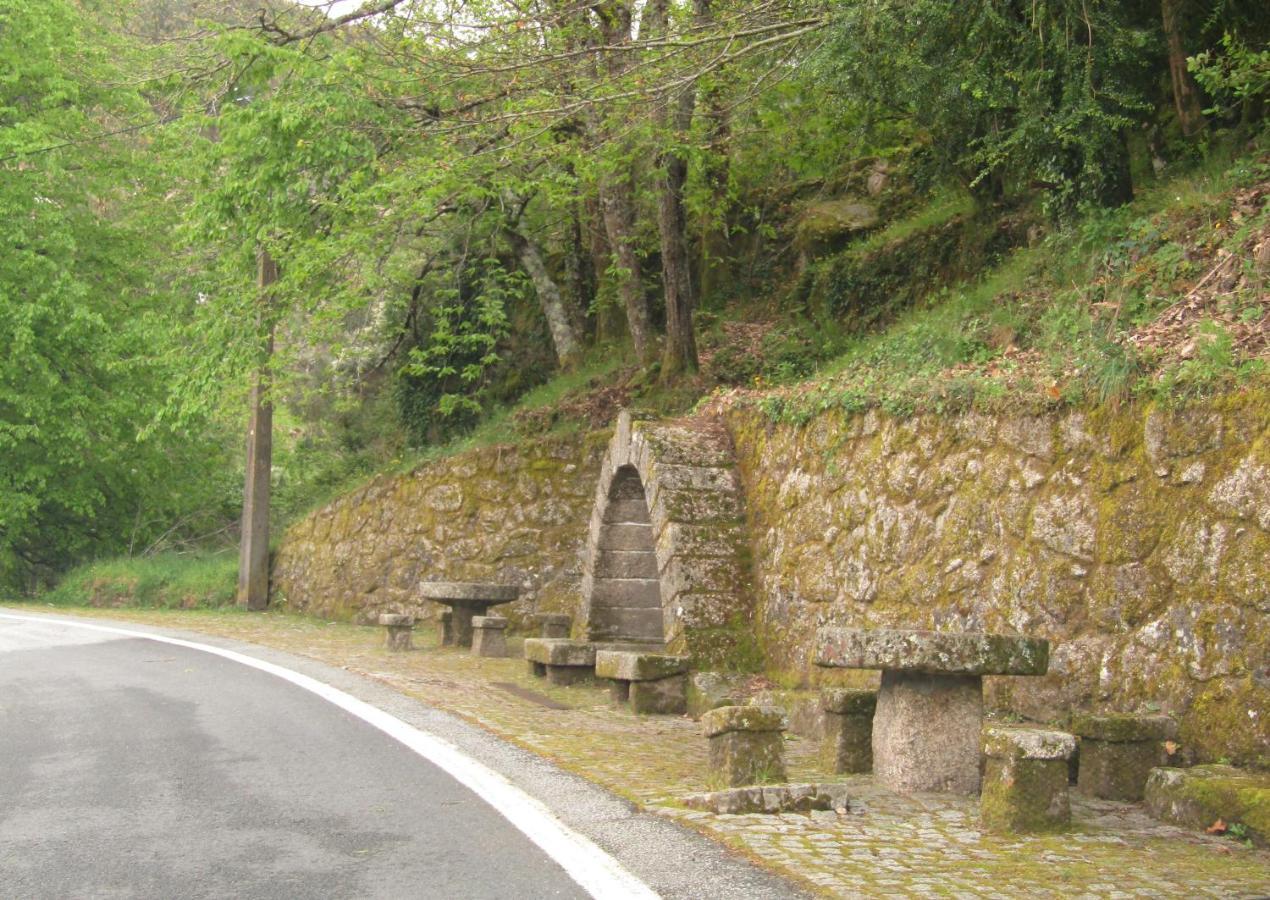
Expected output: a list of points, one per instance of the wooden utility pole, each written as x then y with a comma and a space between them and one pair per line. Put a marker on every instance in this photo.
253, 556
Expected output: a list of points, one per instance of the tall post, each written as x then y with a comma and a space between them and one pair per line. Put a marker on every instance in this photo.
253, 557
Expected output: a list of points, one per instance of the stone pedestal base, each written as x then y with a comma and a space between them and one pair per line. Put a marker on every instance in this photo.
1116, 771
445, 629
1021, 795
488, 636
1025, 780
926, 732
746, 745
567, 675
1118, 752
664, 697
553, 625
847, 746
398, 628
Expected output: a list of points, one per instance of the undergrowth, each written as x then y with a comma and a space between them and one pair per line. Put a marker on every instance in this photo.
1159, 299
165, 581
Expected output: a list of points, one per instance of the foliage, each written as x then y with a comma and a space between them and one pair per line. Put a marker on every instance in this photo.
1042, 97
84, 317
1240, 75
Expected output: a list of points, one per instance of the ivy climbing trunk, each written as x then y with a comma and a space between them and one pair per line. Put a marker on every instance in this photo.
253, 557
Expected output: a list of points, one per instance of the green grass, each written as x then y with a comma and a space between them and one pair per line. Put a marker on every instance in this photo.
165, 581
1066, 304
945, 206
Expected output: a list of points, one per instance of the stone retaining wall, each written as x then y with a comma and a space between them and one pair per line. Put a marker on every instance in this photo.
1137, 540
507, 514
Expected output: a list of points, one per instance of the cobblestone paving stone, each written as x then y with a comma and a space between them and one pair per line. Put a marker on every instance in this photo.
885, 845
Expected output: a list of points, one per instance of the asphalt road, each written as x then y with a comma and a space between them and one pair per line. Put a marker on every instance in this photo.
130, 768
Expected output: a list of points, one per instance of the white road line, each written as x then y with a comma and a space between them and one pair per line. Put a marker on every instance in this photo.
595, 871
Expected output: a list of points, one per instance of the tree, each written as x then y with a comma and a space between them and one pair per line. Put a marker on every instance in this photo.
86, 319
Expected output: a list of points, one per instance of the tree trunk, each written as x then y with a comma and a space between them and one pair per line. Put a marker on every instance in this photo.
253, 557
618, 211
617, 205
563, 336
1190, 114
674, 117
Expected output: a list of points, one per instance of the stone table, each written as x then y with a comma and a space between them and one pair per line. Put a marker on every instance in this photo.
467, 599
929, 717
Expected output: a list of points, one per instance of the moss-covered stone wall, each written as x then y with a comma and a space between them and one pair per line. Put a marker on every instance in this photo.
513, 514
1136, 539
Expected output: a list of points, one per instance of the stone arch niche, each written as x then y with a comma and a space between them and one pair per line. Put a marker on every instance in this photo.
665, 563
625, 587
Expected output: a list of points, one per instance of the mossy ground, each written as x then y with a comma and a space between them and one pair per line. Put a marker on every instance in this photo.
926, 845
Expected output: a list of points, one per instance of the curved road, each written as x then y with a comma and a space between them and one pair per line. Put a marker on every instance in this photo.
132, 768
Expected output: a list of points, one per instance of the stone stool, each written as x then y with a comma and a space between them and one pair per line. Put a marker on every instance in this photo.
848, 742
398, 627
445, 628
1117, 753
488, 638
1025, 779
554, 625
561, 660
747, 744
926, 730
650, 682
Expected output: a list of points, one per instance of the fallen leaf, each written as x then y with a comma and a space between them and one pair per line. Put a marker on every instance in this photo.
1218, 827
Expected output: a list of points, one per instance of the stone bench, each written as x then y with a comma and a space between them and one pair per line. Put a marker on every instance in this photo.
488, 636
747, 745
398, 628
1200, 796
561, 660
926, 729
1118, 752
1025, 779
553, 625
467, 599
847, 745
652, 683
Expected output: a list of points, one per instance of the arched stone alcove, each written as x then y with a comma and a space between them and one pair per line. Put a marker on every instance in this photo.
625, 588
666, 552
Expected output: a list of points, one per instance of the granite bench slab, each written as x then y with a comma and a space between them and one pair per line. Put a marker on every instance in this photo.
933, 652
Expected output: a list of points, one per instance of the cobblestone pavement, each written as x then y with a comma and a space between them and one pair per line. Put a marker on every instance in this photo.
885, 845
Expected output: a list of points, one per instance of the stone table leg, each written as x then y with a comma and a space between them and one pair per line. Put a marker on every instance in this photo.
926, 732
461, 622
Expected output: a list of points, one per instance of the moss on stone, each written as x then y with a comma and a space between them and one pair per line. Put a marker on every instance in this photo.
1024, 795
1200, 796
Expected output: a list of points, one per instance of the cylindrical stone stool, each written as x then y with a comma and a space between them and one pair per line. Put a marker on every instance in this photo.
488, 637
1117, 753
445, 628
554, 625
398, 628
746, 745
848, 742
1025, 779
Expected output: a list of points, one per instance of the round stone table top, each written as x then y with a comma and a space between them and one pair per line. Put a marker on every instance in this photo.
475, 593
932, 652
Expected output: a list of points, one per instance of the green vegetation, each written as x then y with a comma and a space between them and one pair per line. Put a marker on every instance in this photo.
419, 230
165, 581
